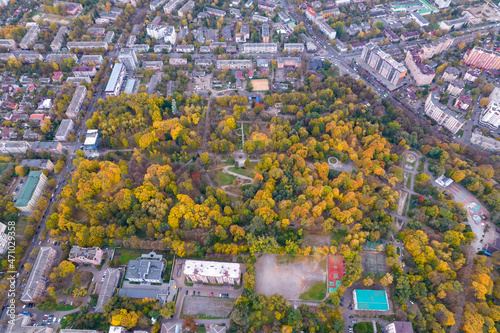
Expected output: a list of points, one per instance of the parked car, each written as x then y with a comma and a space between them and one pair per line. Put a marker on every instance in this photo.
212, 294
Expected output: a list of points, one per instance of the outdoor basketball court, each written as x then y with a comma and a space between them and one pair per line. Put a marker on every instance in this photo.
336, 271
374, 262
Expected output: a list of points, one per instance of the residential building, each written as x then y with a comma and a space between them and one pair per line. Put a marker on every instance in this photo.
13, 147
235, 12
159, 48
128, 58
294, 47
482, 58
450, 74
421, 73
216, 45
294, 62
330, 13
456, 24
456, 87
399, 327
87, 45
491, 116
259, 18
428, 50
260, 48
153, 65
213, 272
463, 102
39, 274
442, 4
91, 139
82, 71
82, 255
490, 144
28, 56
108, 38
155, 4
265, 33
146, 269
31, 192
266, 6
215, 12
184, 49
4, 238
171, 6
243, 35
111, 281
51, 147
186, 8
326, 29
58, 57
210, 35
96, 31
383, 63
39, 164
76, 102
442, 115
115, 80
204, 62
177, 61
9, 44
409, 35
227, 33
64, 130
234, 64
30, 38
421, 21
138, 48
204, 49
284, 17
78, 80
165, 32
249, 4
59, 39
472, 74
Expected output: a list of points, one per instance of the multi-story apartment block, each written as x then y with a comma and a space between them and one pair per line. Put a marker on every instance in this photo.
171, 5
58, 57
212, 272
64, 130
30, 38
227, 34
4, 238
184, 49
391, 35
59, 39
31, 192
443, 44
482, 58
491, 116
153, 65
186, 8
81, 71
383, 63
265, 33
82, 255
442, 4
177, 61
294, 47
159, 48
48, 146
165, 32
204, 62
96, 31
326, 29
155, 4
129, 59
9, 44
330, 13
215, 12
441, 114
243, 35
260, 48
39, 164
294, 62
76, 102
259, 18
39, 274
88, 45
409, 35
472, 74
456, 87
234, 64
421, 73
463, 102
450, 74
108, 38
88, 59
115, 80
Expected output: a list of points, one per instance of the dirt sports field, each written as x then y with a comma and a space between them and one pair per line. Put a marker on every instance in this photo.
260, 85
288, 275
207, 306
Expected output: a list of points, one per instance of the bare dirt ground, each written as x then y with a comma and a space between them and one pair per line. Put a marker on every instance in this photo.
53, 18
207, 306
287, 275
260, 84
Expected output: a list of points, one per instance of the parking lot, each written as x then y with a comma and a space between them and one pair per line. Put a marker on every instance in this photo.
207, 306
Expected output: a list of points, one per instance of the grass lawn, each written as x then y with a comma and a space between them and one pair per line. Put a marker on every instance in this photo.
250, 172
408, 182
364, 327
224, 178
317, 292
338, 235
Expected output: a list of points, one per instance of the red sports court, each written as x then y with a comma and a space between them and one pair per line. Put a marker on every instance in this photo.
336, 271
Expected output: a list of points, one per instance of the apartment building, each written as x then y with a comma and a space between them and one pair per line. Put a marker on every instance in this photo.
213, 272
39, 164
421, 73
165, 32
260, 48
147, 269
482, 58
450, 74
383, 63
184, 49
39, 274
428, 50
400, 327
409, 35
108, 38
96, 31
48, 146
171, 6
491, 116
421, 21
153, 65
155, 4
227, 33
204, 62
330, 13
82, 255
215, 12
64, 130
472, 74
128, 58
456, 87
9, 44
463, 102
326, 29
265, 33
58, 57
159, 48
14, 147
442, 4
30, 38
81, 71
288, 62
391, 35
115, 80
441, 114
294, 47
243, 35
177, 62
59, 39
186, 8
4, 238
88, 45
259, 18
95, 59
234, 64
31, 192
76, 102
266, 6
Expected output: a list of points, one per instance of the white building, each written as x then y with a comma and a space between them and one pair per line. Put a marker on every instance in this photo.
128, 58
64, 130
491, 116
326, 29
4, 238
294, 47
442, 115
399, 327
441, 4
115, 80
166, 32
76, 102
213, 272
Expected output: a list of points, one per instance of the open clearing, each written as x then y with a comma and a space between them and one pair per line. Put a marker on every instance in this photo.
260, 84
374, 262
207, 307
289, 276
46, 17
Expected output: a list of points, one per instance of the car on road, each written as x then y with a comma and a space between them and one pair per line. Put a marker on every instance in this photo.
187, 291
194, 292
212, 294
